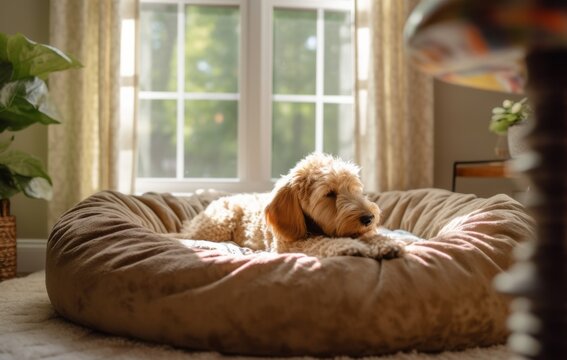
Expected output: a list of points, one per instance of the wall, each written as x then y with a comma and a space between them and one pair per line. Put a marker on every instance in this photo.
31, 18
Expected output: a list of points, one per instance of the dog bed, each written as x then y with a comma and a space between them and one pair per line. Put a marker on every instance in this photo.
111, 267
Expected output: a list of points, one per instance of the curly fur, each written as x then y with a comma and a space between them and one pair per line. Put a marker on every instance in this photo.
318, 208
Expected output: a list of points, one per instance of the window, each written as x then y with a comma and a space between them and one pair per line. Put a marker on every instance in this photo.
232, 93
312, 85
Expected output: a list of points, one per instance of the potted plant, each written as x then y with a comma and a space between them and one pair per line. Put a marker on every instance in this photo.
24, 101
510, 120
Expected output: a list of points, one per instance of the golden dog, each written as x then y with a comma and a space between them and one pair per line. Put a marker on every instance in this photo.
318, 209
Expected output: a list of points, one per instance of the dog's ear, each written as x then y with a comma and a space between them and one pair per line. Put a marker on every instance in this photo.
285, 216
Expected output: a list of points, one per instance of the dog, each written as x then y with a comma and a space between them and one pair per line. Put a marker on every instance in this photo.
318, 209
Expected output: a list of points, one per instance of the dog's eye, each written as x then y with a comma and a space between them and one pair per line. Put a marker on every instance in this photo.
332, 194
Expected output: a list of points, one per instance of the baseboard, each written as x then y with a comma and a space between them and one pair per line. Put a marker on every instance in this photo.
31, 255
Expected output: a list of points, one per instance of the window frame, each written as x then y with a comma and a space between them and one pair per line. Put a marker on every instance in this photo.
255, 96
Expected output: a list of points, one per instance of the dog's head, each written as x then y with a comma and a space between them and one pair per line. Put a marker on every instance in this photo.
321, 195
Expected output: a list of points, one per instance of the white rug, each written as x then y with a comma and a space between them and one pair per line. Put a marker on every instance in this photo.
30, 329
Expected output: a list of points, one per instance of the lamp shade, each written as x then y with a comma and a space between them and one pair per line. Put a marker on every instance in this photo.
481, 43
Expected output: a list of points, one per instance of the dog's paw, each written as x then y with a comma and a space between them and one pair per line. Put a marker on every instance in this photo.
346, 247
389, 250
385, 248
362, 251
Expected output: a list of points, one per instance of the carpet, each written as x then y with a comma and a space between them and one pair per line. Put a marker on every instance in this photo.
30, 329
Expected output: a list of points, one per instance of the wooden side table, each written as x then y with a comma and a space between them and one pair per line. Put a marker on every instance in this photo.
480, 168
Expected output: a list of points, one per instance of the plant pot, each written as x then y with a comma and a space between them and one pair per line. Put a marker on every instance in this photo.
501, 147
516, 139
8, 255
7, 247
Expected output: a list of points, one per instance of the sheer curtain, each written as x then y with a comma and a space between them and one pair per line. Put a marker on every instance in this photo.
84, 150
394, 101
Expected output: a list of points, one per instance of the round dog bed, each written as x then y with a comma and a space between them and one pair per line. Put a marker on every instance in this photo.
112, 267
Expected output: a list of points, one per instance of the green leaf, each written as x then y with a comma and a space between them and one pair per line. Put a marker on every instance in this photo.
25, 102
20, 163
8, 184
498, 117
511, 119
499, 127
32, 59
3, 47
7, 191
5, 143
6, 71
38, 188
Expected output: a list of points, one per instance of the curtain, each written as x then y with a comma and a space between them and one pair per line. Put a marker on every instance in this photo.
394, 101
129, 75
83, 149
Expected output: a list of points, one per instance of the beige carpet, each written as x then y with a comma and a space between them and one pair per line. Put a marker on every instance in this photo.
30, 329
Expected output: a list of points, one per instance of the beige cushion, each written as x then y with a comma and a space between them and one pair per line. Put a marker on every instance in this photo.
110, 267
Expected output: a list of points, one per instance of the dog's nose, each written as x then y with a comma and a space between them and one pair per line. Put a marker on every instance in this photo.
366, 219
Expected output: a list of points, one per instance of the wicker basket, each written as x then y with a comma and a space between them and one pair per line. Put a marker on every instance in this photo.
7, 247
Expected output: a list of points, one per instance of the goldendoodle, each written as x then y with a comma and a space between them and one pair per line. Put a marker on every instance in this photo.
318, 208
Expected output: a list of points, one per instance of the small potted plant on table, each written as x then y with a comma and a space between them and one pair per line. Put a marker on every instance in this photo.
511, 120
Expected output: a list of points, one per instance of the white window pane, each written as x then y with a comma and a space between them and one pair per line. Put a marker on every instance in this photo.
295, 51
338, 130
210, 139
338, 53
157, 138
293, 135
211, 50
158, 35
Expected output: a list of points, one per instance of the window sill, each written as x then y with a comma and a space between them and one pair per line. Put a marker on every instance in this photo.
185, 187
